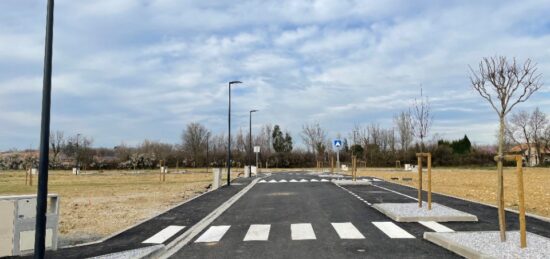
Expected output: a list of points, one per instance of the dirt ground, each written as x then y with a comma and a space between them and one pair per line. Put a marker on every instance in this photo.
96, 204
480, 185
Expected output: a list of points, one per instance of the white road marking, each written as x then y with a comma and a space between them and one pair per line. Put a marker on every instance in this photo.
347, 231
392, 230
314, 180
283, 181
302, 231
262, 181
273, 181
303, 180
324, 180
213, 234
257, 233
435, 226
293, 181
163, 235
377, 180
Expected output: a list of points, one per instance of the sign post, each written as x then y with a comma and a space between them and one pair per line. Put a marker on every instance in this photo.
337, 143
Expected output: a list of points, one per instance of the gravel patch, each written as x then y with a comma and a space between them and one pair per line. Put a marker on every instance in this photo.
487, 244
410, 212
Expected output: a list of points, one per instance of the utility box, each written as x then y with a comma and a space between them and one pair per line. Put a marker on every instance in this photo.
217, 178
17, 227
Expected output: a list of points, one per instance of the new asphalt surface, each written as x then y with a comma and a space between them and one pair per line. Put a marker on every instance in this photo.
319, 204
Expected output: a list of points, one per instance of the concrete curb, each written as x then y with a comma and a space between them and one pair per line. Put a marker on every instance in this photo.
182, 240
453, 247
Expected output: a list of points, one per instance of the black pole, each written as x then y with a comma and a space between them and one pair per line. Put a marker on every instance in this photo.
250, 144
229, 139
42, 193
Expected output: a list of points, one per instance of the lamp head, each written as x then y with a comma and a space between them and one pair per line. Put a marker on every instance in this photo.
235, 82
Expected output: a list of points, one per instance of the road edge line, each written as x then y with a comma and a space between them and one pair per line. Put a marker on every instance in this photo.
182, 240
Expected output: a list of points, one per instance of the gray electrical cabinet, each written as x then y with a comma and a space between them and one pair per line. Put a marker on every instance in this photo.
17, 227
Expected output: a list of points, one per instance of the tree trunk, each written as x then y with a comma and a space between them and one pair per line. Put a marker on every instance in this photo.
500, 191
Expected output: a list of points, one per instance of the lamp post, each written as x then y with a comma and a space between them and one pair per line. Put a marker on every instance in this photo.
229, 135
42, 193
250, 143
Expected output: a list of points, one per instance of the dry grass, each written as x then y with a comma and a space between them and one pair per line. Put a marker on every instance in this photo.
481, 185
95, 204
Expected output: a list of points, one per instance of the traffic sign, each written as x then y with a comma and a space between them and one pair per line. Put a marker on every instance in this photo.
256, 149
337, 143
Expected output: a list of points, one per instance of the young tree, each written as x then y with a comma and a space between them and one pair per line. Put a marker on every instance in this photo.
423, 118
504, 84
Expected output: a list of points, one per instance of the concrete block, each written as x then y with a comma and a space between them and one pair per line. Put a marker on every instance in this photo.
410, 212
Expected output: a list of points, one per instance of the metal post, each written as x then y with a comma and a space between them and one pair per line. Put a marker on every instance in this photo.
229, 139
338, 159
429, 181
229, 135
207, 160
521, 196
42, 193
419, 181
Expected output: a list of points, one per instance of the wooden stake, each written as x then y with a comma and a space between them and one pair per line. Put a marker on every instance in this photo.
521, 196
419, 181
429, 181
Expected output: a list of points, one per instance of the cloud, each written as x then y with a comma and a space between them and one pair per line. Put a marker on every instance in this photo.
129, 70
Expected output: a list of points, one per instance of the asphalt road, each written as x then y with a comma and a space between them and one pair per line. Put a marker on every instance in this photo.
287, 212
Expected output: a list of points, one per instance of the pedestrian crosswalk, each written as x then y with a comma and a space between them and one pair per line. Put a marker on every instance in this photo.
306, 231
294, 181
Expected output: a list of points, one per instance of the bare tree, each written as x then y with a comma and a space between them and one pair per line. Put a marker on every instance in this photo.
403, 122
538, 123
194, 139
520, 132
57, 144
314, 137
504, 84
423, 118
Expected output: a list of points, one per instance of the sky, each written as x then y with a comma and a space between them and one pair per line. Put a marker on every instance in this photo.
129, 70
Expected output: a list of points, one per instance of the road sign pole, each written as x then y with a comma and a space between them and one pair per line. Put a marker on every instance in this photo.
338, 159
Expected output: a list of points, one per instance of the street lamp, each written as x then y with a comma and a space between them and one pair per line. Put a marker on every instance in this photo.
250, 143
229, 134
42, 192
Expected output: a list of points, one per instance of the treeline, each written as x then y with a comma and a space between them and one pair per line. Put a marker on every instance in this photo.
373, 145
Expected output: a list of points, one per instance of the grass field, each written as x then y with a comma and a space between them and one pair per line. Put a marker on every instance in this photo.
94, 204
480, 185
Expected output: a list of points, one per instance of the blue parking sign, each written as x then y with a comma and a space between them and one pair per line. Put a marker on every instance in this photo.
337, 143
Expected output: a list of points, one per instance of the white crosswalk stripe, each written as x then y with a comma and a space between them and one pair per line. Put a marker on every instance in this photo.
303, 180
257, 233
272, 181
347, 231
293, 181
324, 180
302, 231
435, 226
163, 235
392, 230
314, 180
283, 181
213, 234
262, 181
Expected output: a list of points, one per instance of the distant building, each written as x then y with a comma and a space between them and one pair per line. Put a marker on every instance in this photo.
532, 160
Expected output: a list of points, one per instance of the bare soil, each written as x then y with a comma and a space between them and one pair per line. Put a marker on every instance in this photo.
96, 204
479, 185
